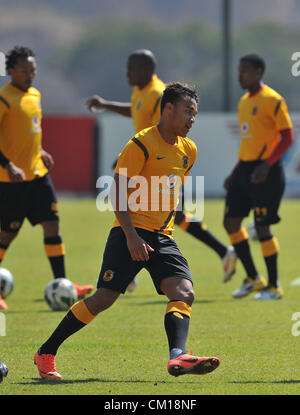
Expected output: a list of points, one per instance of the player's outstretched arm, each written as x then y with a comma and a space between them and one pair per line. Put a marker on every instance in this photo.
96, 102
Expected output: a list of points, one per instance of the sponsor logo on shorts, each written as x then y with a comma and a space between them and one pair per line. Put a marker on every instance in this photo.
54, 207
108, 275
14, 225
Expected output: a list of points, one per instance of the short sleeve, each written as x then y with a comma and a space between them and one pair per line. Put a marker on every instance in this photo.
132, 158
3, 107
192, 159
281, 115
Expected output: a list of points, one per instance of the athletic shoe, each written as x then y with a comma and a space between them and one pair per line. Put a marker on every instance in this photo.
229, 264
250, 285
46, 366
3, 305
3, 371
132, 286
269, 293
82, 290
187, 364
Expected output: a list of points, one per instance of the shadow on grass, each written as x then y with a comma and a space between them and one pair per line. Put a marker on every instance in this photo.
291, 381
53, 382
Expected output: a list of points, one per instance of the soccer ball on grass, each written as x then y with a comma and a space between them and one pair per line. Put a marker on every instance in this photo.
60, 294
6, 282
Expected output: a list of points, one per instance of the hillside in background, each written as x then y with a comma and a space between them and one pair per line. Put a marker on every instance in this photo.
82, 47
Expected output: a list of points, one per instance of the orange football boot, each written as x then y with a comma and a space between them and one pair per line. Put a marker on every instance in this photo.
3, 305
82, 290
186, 364
46, 366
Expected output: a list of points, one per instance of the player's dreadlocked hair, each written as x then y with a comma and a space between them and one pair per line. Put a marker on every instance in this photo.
254, 60
16, 53
175, 91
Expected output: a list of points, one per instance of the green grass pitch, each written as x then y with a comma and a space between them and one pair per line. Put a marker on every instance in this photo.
124, 350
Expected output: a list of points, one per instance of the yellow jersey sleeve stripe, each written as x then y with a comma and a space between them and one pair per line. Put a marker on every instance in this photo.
156, 105
277, 107
142, 147
4, 102
188, 169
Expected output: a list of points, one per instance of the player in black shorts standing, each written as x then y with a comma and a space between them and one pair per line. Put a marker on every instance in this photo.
257, 181
142, 238
26, 190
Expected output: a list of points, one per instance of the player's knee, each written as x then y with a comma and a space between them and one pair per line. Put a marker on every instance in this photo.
227, 224
7, 237
263, 231
51, 228
232, 225
186, 294
101, 300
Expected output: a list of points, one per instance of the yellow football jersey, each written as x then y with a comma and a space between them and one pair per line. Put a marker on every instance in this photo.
261, 117
160, 169
20, 131
145, 104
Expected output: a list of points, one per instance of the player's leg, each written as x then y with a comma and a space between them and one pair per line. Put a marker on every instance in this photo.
238, 205
44, 211
80, 314
117, 271
240, 241
268, 198
12, 207
5, 240
177, 319
168, 260
190, 224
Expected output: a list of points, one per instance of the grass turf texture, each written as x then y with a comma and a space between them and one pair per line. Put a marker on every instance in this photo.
124, 350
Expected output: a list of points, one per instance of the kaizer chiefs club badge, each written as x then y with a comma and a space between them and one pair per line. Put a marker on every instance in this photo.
108, 275
185, 162
254, 110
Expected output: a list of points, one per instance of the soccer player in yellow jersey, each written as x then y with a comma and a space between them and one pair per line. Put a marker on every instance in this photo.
257, 181
26, 190
144, 109
143, 238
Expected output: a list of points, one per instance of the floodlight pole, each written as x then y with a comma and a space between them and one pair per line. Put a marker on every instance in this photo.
226, 50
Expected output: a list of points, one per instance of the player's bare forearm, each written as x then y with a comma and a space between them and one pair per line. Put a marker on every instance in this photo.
122, 108
119, 107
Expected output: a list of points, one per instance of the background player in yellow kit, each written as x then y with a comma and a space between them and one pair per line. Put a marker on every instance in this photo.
144, 109
257, 182
26, 190
143, 238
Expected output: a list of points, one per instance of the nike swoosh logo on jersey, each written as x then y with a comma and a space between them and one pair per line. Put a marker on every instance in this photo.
159, 158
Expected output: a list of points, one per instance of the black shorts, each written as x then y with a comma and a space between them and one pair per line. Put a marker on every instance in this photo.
264, 198
118, 269
34, 200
